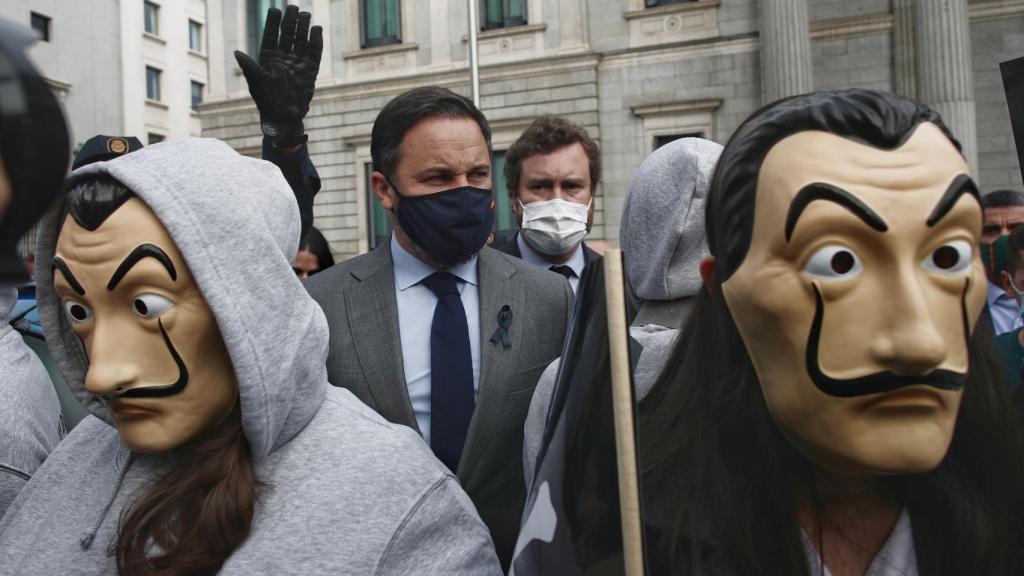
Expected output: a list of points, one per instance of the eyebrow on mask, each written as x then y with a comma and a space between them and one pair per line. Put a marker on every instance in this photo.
142, 251
59, 264
830, 193
962, 184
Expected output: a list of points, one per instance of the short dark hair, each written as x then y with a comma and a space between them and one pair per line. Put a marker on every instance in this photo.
1015, 250
873, 117
92, 200
317, 244
407, 110
1000, 198
543, 136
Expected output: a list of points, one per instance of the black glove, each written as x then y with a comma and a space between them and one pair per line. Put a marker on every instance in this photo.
283, 81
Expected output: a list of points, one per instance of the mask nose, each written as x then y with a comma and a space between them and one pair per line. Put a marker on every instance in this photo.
111, 368
911, 344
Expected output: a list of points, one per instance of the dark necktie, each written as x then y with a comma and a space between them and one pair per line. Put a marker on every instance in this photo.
563, 270
451, 371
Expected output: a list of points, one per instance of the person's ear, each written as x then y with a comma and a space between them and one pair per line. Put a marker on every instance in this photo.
707, 272
1006, 283
517, 210
382, 190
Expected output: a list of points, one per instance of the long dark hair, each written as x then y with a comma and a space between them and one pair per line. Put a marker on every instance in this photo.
712, 455
318, 246
724, 486
201, 510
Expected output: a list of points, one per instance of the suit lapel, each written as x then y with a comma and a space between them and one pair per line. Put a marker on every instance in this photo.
372, 304
497, 363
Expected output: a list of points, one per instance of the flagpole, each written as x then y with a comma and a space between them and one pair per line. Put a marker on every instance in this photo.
474, 65
622, 406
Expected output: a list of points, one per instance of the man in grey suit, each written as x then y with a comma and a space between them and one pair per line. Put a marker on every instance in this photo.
433, 329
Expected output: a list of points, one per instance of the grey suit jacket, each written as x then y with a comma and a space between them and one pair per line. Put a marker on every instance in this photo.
365, 356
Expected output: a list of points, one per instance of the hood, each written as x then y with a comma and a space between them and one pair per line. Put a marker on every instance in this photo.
235, 221
662, 229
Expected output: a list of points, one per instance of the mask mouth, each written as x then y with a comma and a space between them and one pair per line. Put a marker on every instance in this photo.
878, 382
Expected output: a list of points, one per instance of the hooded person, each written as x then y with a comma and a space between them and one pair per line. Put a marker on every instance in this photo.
215, 442
33, 160
663, 240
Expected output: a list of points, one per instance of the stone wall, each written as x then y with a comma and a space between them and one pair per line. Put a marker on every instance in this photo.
626, 73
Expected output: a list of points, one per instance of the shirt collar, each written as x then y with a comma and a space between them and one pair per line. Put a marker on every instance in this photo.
995, 293
410, 270
576, 262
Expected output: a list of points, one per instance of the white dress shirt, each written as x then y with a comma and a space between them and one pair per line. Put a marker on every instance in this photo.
896, 558
576, 262
1003, 309
416, 305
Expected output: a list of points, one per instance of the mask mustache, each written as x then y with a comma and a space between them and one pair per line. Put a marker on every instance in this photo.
160, 391
878, 382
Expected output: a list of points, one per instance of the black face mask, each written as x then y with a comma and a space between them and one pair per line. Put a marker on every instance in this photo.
451, 225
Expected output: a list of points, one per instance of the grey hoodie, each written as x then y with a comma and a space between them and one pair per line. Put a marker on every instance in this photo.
30, 428
663, 239
346, 491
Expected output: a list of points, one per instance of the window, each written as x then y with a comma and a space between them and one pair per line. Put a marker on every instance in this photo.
197, 93
504, 220
195, 36
255, 18
503, 13
41, 24
663, 139
154, 138
653, 3
381, 24
151, 13
152, 83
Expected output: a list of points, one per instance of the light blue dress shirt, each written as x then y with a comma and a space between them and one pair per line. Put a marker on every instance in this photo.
416, 305
577, 261
1003, 309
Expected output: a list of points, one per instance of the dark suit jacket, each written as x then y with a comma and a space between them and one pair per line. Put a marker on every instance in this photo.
365, 356
512, 248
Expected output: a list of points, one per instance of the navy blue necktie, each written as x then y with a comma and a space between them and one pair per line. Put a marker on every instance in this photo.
451, 371
563, 270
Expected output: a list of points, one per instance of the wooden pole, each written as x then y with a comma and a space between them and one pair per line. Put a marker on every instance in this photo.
622, 403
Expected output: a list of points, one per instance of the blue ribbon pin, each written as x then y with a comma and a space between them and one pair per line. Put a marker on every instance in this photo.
504, 321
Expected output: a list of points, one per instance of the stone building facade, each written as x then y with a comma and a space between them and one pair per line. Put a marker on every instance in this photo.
635, 73
124, 67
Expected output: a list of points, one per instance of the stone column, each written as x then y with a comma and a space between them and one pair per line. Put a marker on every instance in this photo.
904, 79
785, 49
945, 79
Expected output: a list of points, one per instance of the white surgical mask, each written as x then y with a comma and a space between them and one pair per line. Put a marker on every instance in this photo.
554, 227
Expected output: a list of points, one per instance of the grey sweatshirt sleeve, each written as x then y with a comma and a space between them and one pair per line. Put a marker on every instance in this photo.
442, 535
533, 428
29, 410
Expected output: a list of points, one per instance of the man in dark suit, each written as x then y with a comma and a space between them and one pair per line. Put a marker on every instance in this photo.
433, 329
551, 172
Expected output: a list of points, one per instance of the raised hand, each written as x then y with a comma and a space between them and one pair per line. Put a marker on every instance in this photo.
282, 82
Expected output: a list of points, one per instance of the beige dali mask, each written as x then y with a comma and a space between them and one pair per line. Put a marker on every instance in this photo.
156, 355
858, 295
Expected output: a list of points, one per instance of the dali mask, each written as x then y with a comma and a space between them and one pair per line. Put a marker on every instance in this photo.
156, 355
858, 295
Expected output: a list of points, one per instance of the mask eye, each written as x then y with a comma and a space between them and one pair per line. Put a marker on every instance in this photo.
150, 305
77, 312
834, 263
950, 258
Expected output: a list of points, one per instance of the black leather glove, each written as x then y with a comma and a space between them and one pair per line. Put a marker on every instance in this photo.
282, 82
